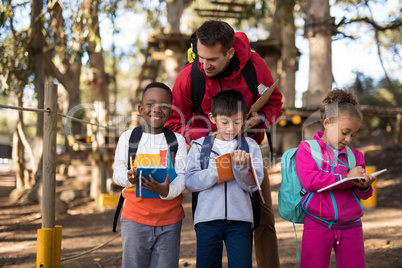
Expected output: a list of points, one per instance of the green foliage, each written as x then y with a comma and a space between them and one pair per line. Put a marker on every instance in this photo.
376, 93
15, 68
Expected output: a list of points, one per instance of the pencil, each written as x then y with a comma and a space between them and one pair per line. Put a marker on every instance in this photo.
131, 166
140, 184
344, 163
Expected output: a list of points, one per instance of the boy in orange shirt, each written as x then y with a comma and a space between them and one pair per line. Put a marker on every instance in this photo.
150, 227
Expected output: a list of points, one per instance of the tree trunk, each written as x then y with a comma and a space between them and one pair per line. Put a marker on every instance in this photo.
319, 32
67, 70
18, 156
99, 81
175, 10
289, 58
37, 45
284, 65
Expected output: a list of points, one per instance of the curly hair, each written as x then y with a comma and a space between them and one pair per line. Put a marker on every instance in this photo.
341, 101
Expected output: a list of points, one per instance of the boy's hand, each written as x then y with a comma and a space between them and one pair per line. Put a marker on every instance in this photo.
132, 176
240, 158
356, 172
152, 185
364, 183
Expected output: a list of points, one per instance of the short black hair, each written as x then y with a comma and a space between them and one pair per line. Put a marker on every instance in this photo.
228, 102
158, 85
213, 32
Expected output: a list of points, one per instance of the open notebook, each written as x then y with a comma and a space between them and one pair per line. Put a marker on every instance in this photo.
337, 185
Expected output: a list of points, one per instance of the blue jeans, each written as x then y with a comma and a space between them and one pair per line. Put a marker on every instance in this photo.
235, 234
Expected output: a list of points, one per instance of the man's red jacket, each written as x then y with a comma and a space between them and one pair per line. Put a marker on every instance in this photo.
193, 125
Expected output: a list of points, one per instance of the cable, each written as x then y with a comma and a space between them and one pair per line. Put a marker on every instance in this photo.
92, 249
24, 109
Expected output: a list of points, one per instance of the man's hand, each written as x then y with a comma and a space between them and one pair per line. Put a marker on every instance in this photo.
152, 185
240, 158
252, 121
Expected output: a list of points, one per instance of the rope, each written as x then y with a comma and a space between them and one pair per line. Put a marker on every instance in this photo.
92, 249
83, 121
59, 114
24, 109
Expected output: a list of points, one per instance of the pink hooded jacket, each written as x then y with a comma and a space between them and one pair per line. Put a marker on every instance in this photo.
337, 209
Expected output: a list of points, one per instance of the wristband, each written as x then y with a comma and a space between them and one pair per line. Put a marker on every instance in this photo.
262, 120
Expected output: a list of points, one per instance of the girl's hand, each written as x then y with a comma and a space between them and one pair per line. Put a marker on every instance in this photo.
152, 185
364, 183
240, 158
132, 176
356, 172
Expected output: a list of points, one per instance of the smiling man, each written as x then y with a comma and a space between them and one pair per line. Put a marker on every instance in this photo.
224, 61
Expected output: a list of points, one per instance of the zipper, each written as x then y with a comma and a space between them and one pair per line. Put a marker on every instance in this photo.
336, 156
220, 84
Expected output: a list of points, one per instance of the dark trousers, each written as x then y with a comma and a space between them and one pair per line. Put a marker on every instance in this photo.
210, 238
265, 240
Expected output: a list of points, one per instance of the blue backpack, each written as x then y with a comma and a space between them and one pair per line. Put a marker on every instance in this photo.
291, 191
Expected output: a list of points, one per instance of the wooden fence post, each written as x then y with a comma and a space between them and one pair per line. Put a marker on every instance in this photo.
48, 253
49, 157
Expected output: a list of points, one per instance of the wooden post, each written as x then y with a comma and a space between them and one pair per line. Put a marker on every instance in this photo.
49, 157
397, 130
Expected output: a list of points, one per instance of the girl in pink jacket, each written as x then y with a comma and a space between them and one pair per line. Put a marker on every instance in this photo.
333, 217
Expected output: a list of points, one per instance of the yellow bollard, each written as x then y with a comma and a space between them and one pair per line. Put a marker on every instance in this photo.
372, 201
57, 246
48, 251
44, 248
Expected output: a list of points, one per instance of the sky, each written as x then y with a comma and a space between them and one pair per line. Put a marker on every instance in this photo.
347, 56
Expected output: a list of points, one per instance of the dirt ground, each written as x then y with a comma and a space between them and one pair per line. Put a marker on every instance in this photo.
87, 225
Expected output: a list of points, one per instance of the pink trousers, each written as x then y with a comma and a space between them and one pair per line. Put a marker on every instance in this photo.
319, 240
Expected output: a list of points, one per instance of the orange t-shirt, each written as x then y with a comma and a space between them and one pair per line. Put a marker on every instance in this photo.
151, 211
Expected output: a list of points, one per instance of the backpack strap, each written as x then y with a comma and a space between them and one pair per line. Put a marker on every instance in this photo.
204, 162
134, 140
315, 150
192, 51
250, 76
206, 151
351, 157
172, 143
197, 86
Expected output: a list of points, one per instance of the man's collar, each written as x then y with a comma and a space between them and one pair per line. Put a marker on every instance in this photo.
234, 65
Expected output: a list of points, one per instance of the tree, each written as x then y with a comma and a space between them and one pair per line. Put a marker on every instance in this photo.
283, 29
63, 54
15, 72
36, 56
387, 35
318, 29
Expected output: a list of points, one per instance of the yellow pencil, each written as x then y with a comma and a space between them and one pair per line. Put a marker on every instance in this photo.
131, 166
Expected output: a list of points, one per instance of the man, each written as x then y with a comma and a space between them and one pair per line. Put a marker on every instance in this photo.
222, 55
